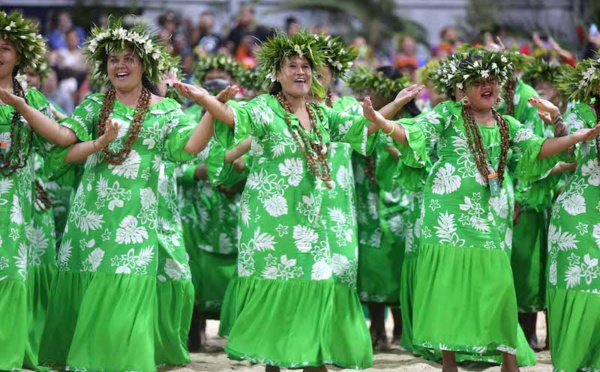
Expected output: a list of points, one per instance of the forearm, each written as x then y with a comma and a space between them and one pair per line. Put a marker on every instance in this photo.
217, 109
79, 152
201, 172
201, 135
238, 151
553, 146
396, 131
47, 127
560, 130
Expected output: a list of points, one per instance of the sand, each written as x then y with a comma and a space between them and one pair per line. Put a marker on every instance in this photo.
396, 360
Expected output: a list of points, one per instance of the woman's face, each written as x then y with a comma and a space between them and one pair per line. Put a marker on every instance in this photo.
325, 77
33, 78
483, 94
547, 91
72, 40
295, 76
215, 74
9, 58
125, 70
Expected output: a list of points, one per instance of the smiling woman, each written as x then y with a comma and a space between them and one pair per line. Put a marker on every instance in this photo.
297, 249
103, 312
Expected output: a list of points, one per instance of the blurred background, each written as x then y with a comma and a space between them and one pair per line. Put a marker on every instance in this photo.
404, 33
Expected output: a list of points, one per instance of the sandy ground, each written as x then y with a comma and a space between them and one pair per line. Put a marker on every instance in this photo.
397, 360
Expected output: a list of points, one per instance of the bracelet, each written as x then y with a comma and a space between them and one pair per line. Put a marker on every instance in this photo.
391, 131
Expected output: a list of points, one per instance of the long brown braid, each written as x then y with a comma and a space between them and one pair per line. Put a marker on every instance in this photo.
597, 112
12, 161
476, 142
42, 199
315, 153
141, 109
510, 97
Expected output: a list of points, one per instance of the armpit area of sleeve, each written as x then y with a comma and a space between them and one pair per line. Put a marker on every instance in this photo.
227, 136
415, 154
175, 143
55, 162
530, 167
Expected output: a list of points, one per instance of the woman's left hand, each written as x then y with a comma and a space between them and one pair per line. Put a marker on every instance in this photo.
408, 94
371, 114
544, 105
587, 134
11, 99
190, 91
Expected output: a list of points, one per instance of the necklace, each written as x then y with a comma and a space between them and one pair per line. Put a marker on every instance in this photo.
141, 109
314, 152
13, 159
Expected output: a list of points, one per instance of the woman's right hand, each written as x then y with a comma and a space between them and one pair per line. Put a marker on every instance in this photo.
11, 99
228, 93
372, 115
544, 105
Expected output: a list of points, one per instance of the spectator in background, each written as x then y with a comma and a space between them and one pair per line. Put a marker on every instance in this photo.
406, 59
204, 37
187, 67
180, 44
57, 37
365, 52
246, 52
292, 26
450, 36
56, 96
71, 61
169, 22
246, 27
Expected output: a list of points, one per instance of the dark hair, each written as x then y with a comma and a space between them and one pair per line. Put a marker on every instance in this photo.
152, 87
394, 73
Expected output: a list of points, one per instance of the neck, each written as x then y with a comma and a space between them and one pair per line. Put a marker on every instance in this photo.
6, 82
129, 97
295, 103
482, 115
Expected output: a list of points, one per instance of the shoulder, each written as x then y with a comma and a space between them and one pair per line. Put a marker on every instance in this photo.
36, 98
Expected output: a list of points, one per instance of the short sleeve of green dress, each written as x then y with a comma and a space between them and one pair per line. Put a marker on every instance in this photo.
251, 118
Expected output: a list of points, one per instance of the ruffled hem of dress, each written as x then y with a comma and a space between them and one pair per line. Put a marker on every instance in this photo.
301, 323
13, 307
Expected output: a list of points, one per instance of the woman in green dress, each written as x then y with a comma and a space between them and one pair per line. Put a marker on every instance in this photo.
465, 236
294, 298
209, 233
103, 304
574, 237
25, 258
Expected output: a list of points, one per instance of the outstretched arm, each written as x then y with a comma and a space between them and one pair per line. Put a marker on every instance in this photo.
238, 151
205, 129
553, 146
217, 109
41, 124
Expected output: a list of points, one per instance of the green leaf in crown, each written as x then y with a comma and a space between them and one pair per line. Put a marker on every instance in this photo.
539, 70
362, 78
141, 38
476, 64
338, 56
24, 36
217, 62
252, 79
582, 82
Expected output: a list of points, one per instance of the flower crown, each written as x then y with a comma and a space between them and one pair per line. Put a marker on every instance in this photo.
24, 36
218, 62
361, 78
144, 42
173, 67
252, 79
441, 76
540, 70
337, 56
277, 49
426, 72
477, 64
582, 82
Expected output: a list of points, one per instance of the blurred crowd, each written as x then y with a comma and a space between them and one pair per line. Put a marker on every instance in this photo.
68, 83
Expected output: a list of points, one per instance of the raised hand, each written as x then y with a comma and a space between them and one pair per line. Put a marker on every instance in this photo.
11, 99
189, 91
371, 114
545, 116
544, 105
587, 134
111, 131
227, 93
408, 94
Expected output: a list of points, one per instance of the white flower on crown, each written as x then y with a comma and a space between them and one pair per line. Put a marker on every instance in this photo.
494, 66
485, 74
503, 59
465, 77
459, 86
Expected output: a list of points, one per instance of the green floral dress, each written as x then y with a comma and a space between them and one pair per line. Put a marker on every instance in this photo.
466, 236
24, 251
296, 284
573, 255
175, 290
528, 258
103, 304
